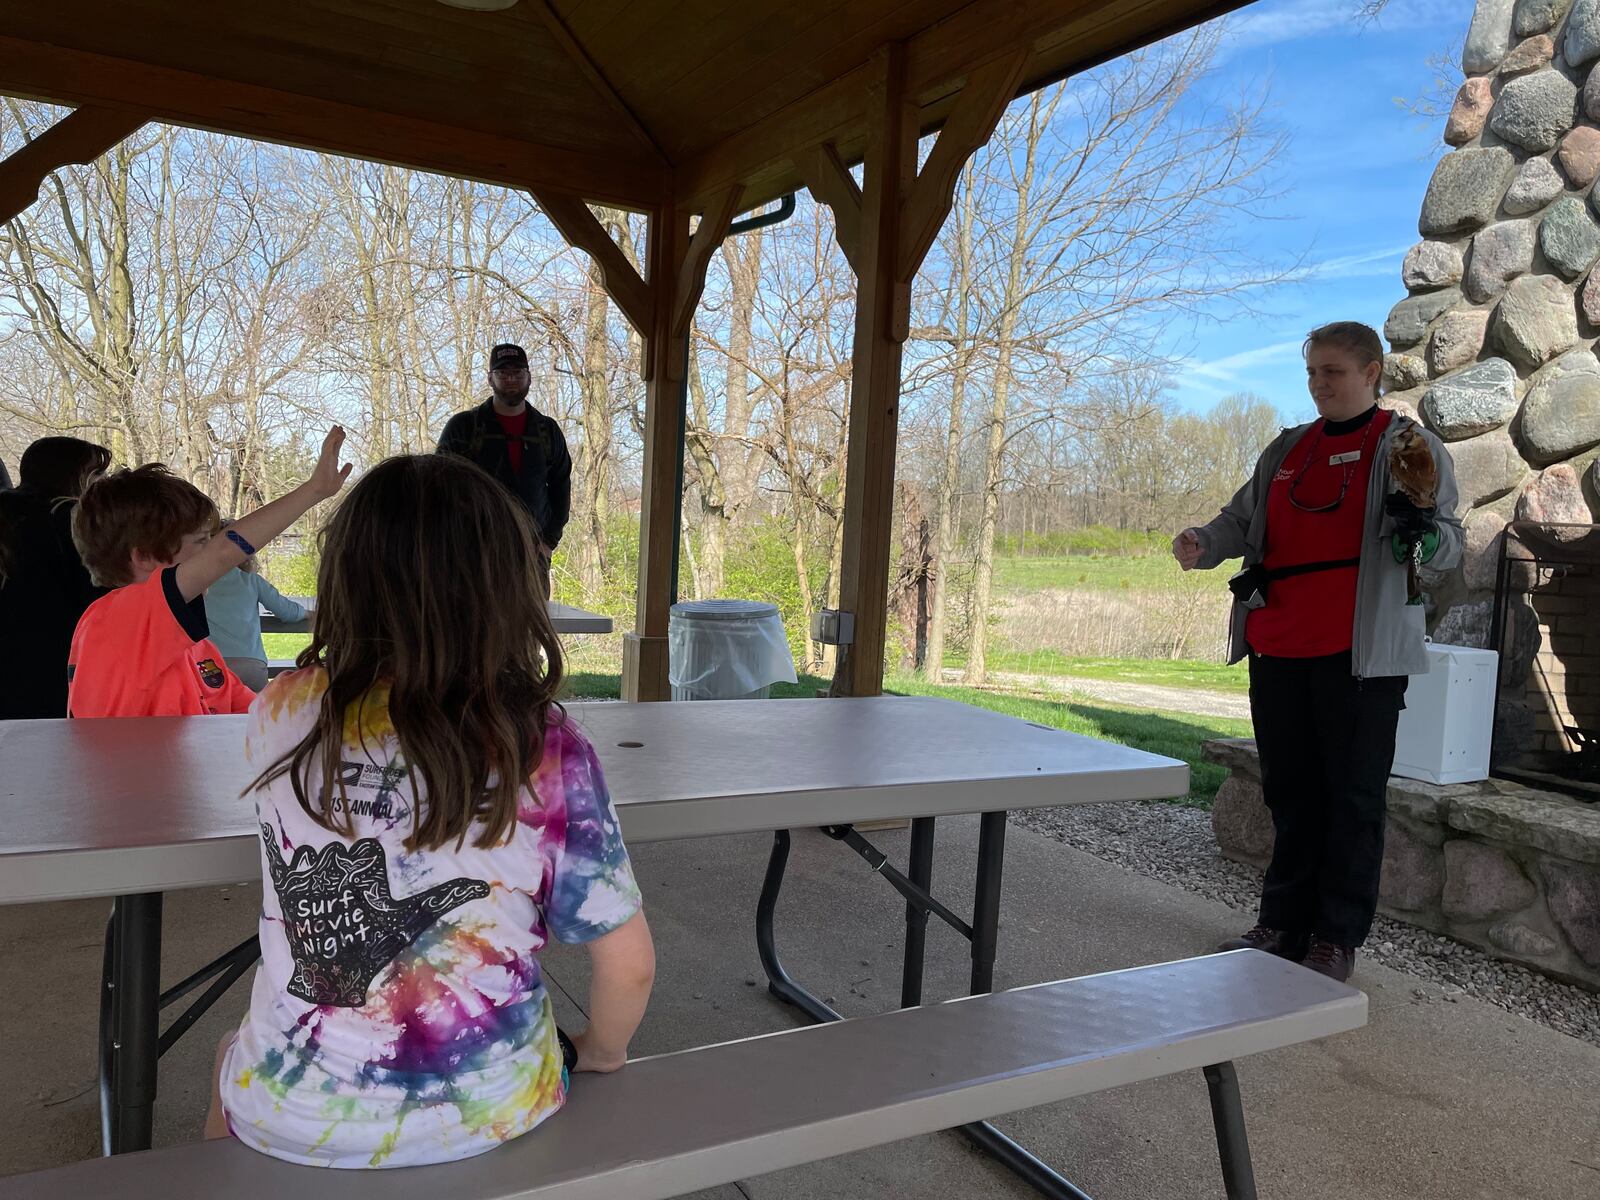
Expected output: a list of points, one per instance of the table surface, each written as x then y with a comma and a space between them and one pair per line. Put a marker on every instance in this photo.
564, 617
110, 806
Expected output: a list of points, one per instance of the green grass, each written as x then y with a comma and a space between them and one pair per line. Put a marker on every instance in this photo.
1180, 673
1175, 735
285, 645
1101, 572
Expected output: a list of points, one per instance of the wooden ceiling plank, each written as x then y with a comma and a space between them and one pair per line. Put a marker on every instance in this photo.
641, 52
483, 71
65, 76
591, 71
832, 183
79, 137
708, 235
578, 225
809, 63
971, 123
1059, 35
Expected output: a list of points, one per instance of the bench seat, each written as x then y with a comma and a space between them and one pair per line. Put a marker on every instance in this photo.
699, 1118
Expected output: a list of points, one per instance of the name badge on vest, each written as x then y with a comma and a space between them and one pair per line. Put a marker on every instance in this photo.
1349, 456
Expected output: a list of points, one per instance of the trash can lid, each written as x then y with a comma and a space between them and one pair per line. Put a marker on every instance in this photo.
723, 610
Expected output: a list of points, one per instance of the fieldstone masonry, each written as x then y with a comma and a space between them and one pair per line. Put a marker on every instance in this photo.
1511, 246
1509, 869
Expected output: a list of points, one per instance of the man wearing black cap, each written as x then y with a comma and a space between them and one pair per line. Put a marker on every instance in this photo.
519, 446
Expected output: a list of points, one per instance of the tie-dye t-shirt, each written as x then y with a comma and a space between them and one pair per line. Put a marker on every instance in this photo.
398, 1015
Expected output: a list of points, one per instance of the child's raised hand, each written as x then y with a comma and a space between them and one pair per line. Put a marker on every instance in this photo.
329, 476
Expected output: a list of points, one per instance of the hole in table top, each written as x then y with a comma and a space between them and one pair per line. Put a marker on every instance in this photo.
631, 745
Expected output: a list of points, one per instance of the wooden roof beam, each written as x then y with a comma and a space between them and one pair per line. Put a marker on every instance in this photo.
79, 137
1055, 36
580, 58
61, 75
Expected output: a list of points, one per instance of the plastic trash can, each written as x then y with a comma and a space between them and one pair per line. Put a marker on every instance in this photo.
726, 650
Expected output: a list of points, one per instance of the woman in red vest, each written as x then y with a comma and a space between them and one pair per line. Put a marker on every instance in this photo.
1324, 612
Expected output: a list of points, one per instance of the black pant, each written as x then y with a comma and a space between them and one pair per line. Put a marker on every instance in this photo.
1327, 745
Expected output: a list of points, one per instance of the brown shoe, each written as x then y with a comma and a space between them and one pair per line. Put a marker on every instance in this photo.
1274, 941
1330, 959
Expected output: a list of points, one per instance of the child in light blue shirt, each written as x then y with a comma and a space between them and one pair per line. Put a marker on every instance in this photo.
233, 607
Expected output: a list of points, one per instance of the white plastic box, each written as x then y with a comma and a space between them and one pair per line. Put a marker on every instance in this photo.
1448, 720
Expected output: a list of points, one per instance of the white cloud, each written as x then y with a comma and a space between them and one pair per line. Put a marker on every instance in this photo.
1229, 368
1272, 22
1362, 264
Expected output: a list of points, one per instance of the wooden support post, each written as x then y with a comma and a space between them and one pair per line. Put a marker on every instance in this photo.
883, 306
79, 137
677, 273
885, 230
660, 306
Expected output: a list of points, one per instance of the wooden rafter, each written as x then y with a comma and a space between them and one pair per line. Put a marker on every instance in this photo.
624, 284
79, 137
1055, 36
581, 58
63, 75
830, 182
971, 123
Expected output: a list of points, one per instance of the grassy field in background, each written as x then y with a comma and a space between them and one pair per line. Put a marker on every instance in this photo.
1176, 735
1102, 572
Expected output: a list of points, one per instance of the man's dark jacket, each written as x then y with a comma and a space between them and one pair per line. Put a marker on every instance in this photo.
544, 485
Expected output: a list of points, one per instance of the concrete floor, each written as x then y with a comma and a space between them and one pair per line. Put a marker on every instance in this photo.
1432, 1099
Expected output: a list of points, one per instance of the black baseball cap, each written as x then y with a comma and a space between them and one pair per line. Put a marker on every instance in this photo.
507, 354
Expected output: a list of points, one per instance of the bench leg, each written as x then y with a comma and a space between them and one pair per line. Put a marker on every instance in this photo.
920, 871
135, 1025
1227, 1114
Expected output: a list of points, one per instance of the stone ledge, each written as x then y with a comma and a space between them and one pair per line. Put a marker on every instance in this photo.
1495, 808
1498, 865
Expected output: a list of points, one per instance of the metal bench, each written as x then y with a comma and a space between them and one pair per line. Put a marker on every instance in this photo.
700, 1118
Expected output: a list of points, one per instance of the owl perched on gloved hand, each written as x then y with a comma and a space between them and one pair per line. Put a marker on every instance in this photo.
1412, 466
1416, 474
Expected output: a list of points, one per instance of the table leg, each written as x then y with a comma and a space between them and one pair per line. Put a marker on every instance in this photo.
983, 933
135, 1046
920, 872
779, 981
986, 900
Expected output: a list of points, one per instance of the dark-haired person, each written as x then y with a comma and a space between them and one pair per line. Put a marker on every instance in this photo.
1322, 611
518, 445
44, 586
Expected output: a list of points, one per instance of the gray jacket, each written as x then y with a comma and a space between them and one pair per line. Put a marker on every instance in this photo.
1389, 635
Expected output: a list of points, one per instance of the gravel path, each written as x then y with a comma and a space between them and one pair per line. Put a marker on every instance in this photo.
1175, 845
1195, 701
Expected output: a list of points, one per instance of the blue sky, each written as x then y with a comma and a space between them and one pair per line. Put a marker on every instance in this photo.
1352, 173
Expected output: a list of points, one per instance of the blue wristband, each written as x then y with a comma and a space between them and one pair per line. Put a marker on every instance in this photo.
240, 542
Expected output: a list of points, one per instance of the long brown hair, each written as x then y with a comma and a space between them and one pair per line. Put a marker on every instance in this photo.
431, 585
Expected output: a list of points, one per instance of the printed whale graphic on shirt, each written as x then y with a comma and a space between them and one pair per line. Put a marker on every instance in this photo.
342, 923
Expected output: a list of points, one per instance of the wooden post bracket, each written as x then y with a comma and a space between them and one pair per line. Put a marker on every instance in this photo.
972, 120
623, 284
81, 136
708, 235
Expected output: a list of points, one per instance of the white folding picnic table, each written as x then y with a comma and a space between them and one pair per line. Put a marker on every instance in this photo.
133, 808
564, 617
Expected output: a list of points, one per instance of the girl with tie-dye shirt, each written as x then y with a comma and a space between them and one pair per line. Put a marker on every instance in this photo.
429, 817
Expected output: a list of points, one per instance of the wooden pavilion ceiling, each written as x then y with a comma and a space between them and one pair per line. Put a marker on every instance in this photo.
606, 99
